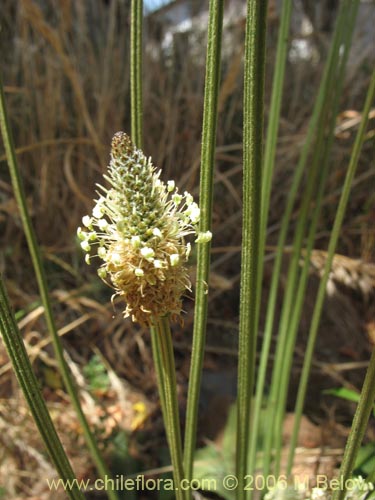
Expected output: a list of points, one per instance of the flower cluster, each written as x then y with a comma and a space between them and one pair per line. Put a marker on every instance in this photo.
137, 228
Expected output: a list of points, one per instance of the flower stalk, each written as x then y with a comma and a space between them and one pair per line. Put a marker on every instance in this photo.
137, 229
252, 188
136, 14
156, 253
166, 377
215, 26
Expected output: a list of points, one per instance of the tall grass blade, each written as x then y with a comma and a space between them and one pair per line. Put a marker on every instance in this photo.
160, 333
252, 189
330, 254
136, 16
269, 161
316, 128
215, 25
43, 289
359, 424
320, 162
30, 387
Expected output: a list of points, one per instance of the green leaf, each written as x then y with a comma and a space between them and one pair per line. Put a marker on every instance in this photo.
96, 374
216, 461
211, 466
365, 462
344, 393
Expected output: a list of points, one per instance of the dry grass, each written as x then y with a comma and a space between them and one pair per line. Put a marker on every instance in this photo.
66, 72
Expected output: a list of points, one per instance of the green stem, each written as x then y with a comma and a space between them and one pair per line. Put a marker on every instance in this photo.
269, 162
30, 388
158, 362
371, 477
275, 107
43, 289
330, 254
157, 352
291, 328
361, 417
272, 437
332, 101
316, 126
166, 377
320, 162
252, 189
136, 72
205, 201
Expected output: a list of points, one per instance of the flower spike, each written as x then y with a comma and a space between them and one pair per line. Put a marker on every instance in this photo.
138, 227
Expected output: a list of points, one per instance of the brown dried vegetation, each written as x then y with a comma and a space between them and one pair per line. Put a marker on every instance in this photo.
66, 70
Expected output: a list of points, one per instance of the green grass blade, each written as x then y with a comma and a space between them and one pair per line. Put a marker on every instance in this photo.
136, 72
275, 107
325, 145
359, 424
30, 387
43, 289
252, 188
330, 254
205, 202
316, 126
166, 371
269, 161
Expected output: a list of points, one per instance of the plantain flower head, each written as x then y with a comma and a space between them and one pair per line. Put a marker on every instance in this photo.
137, 229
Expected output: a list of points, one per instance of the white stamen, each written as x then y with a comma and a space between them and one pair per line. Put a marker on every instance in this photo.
147, 253
135, 241
156, 232
204, 237
102, 224
175, 259
87, 221
85, 245
102, 252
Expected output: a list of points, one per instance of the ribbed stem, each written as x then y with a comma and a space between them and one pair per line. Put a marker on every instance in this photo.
316, 127
30, 388
320, 162
361, 417
330, 254
158, 363
43, 289
136, 72
252, 190
205, 201
332, 102
166, 377
269, 161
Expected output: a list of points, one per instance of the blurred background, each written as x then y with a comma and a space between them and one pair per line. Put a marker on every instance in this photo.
65, 67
